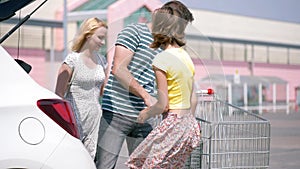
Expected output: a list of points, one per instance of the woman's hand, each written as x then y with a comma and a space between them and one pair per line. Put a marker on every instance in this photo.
143, 116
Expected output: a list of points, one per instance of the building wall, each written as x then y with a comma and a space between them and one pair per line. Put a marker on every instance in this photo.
216, 24
241, 27
285, 72
206, 23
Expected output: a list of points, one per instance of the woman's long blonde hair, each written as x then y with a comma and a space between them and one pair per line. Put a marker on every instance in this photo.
87, 28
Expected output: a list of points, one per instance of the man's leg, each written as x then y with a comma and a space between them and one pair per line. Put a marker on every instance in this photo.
110, 141
137, 135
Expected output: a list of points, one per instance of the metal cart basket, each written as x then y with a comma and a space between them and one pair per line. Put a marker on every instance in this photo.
231, 137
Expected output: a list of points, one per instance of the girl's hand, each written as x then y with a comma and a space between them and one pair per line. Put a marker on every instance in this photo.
143, 116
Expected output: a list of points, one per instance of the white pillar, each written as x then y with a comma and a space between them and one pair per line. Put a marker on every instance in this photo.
52, 43
245, 96
274, 96
230, 98
260, 98
65, 26
229, 94
287, 98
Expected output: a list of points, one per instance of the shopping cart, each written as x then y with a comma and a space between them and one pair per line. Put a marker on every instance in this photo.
231, 137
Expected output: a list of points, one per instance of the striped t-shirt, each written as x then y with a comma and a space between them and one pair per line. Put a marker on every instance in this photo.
137, 38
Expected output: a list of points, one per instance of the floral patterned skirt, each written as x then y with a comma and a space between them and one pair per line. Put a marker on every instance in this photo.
168, 145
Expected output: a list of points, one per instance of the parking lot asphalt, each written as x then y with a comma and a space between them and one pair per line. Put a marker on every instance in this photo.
285, 140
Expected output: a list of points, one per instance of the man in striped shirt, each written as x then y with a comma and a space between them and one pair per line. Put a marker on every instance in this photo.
130, 88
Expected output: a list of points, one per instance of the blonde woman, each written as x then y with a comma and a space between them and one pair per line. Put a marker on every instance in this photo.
84, 68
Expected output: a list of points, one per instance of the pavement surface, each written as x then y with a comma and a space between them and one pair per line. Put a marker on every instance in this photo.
285, 140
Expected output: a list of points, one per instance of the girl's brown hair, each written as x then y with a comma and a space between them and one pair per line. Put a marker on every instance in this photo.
168, 27
185, 13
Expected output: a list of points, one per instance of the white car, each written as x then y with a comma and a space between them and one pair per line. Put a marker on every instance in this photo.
37, 128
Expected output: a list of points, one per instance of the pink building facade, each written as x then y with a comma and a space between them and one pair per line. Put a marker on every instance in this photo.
123, 8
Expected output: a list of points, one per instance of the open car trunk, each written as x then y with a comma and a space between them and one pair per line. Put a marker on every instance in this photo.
9, 7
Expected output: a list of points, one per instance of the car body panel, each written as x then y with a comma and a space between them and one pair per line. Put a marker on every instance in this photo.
17, 85
29, 138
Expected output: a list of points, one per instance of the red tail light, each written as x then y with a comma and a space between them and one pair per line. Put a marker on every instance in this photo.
60, 111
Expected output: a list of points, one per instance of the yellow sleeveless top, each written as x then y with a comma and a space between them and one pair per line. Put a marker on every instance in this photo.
180, 70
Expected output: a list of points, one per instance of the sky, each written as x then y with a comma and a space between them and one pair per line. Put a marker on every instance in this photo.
280, 10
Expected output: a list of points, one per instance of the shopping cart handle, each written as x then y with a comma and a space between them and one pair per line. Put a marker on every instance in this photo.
207, 91
202, 120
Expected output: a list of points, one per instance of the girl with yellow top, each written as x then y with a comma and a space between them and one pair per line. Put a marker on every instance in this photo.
173, 140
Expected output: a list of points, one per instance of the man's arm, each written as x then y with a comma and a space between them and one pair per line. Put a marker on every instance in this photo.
122, 58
